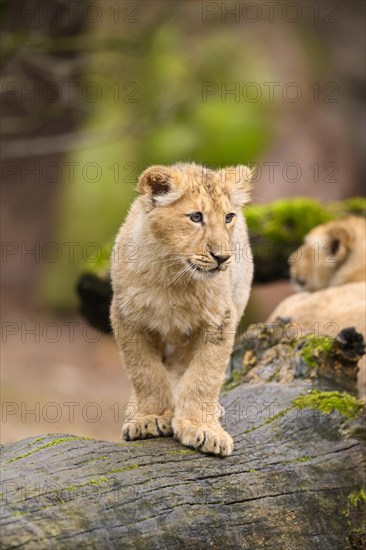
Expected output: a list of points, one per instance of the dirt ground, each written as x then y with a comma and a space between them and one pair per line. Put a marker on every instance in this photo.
59, 375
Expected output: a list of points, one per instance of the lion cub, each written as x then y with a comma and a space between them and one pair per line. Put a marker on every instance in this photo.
181, 274
333, 254
331, 268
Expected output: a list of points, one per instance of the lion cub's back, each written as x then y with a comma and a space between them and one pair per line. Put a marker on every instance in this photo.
344, 306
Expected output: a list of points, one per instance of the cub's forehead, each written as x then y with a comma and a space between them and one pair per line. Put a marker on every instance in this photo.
203, 185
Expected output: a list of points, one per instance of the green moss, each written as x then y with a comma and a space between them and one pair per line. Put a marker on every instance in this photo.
234, 380
271, 419
314, 347
141, 443
37, 440
327, 402
102, 479
117, 470
286, 221
303, 459
98, 481
57, 441
353, 205
357, 497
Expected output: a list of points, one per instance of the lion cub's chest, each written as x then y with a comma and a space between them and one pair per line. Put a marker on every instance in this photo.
175, 320
174, 317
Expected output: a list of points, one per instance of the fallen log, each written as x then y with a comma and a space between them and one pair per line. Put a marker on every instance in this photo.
294, 481
281, 351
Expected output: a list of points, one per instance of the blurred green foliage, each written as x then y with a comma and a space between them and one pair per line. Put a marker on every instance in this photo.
168, 94
152, 110
287, 221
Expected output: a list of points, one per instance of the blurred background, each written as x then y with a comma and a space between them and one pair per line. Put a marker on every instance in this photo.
92, 92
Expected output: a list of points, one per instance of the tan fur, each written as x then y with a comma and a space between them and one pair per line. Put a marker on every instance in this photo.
331, 266
174, 310
333, 254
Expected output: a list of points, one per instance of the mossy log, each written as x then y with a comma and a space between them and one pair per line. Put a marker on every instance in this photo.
294, 481
279, 351
276, 230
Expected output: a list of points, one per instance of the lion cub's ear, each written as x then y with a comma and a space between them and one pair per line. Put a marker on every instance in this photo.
160, 184
338, 243
237, 180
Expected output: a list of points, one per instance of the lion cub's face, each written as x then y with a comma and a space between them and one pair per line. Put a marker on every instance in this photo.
314, 264
192, 212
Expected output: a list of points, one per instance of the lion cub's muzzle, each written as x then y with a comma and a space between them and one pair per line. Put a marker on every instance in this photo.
206, 266
220, 259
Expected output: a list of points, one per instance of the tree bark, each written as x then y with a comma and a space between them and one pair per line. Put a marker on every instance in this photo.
294, 480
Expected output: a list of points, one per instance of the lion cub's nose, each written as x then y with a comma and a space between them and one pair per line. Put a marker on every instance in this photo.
219, 258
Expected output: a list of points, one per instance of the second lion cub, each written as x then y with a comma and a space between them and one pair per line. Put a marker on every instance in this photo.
181, 274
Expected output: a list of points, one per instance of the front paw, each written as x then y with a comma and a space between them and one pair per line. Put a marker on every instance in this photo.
210, 438
150, 425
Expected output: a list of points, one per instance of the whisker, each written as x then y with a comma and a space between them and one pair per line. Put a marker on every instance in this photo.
170, 265
188, 279
179, 275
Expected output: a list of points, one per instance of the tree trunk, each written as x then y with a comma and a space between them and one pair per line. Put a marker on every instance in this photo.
294, 480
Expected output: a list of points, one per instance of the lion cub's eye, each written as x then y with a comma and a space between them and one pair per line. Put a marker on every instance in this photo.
196, 217
229, 217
